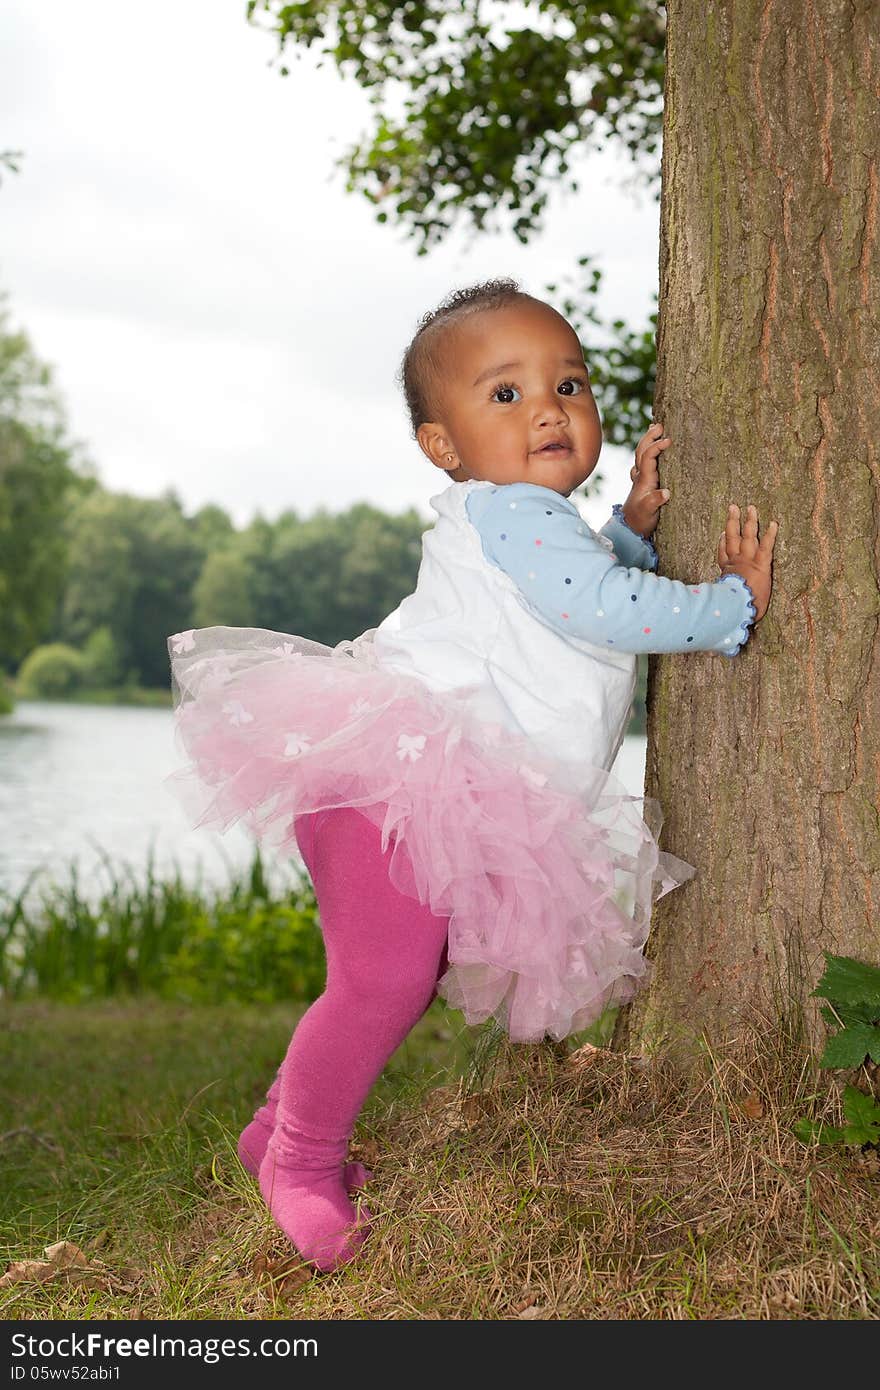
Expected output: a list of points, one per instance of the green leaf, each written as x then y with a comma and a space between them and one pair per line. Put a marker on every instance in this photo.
863, 1114
847, 981
850, 1047
858, 1013
493, 111
805, 1130
808, 1130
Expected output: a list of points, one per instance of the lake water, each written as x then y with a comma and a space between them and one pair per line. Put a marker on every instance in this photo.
81, 781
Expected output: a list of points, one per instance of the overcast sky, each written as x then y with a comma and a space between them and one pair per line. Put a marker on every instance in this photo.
222, 316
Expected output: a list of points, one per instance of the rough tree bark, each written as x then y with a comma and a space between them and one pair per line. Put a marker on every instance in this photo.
767, 765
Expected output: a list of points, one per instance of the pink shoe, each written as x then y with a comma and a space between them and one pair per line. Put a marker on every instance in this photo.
302, 1181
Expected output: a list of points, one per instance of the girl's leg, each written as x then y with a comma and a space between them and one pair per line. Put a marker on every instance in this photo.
256, 1135
383, 960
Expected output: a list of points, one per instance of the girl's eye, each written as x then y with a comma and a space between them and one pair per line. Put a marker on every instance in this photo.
505, 394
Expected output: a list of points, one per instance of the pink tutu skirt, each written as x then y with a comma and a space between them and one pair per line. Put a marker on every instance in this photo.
546, 871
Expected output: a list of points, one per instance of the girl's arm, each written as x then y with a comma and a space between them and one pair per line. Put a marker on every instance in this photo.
629, 547
568, 579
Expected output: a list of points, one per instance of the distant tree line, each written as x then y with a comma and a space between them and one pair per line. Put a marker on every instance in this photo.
92, 581
38, 473
138, 569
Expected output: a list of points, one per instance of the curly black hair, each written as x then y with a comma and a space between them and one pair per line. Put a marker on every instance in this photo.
423, 361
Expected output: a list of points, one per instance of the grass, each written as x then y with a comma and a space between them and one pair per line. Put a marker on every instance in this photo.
509, 1181
147, 696
126, 933
118, 1124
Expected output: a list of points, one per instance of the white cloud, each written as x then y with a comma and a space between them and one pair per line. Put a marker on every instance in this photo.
222, 316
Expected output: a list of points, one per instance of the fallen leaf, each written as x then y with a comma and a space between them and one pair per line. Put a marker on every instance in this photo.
64, 1254
752, 1106
532, 1312
67, 1260
93, 1279
28, 1271
294, 1281
480, 1103
583, 1056
286, 1274
282, 1267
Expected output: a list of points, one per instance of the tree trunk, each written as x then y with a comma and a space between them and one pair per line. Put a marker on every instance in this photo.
767, 764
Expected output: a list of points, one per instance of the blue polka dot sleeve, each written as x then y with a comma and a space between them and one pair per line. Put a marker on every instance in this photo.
629, 547
570, 579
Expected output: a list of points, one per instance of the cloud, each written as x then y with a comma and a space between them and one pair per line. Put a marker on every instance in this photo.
222, 316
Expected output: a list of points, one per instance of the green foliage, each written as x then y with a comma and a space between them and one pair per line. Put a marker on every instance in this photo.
36, 479
331, 577
221, 596
52, 671
163, 937
853, 991
862, 1114
101, 575
33, 480
477, 108
103, 667
213, 528
849, 1048
27, 390
270, 952
140, 569
133, 563
849, 984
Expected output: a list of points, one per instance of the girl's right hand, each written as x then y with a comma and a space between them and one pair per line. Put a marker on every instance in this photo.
745, 555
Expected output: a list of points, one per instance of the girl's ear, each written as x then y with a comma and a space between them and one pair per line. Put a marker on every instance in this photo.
435, 445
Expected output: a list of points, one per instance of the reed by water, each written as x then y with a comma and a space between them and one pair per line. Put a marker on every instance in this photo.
156, 934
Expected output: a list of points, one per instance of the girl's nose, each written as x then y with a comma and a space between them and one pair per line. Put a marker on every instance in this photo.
551, 411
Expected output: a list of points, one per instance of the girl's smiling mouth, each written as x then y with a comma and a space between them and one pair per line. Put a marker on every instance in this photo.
554, 446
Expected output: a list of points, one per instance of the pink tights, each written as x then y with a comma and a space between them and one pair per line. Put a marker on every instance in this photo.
385, 953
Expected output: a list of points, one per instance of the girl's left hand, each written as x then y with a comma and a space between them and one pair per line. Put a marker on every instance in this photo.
641, 510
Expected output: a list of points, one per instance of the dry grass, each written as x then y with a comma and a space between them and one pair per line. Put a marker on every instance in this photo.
557, 1185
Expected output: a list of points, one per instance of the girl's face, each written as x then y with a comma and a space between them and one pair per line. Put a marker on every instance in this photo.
515, 402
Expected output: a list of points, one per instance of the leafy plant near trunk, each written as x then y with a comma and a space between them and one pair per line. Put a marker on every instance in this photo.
852, 989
